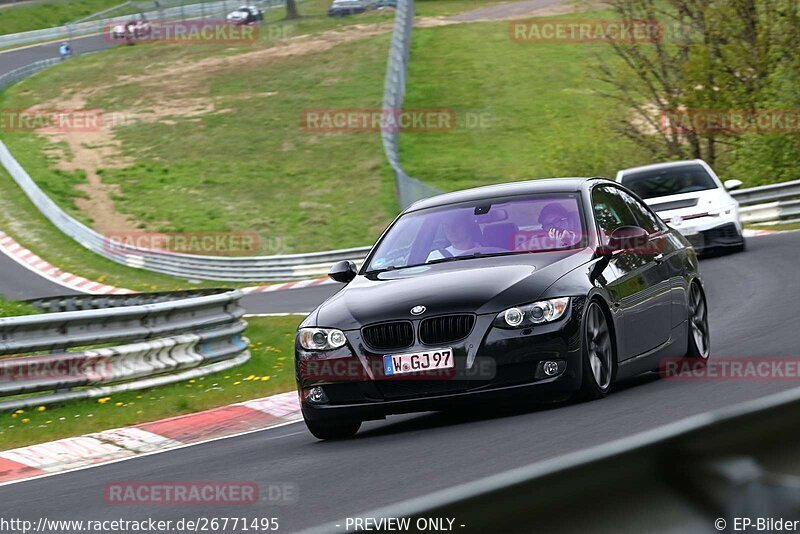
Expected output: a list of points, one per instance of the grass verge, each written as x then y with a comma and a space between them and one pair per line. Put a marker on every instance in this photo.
11, 309
35, 15
269, 371
780, 227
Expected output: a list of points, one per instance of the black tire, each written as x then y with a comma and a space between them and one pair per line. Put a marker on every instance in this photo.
699, 344
333, 429
599, 357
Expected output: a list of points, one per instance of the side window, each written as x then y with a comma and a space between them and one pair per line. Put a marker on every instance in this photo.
611, 211
645, 219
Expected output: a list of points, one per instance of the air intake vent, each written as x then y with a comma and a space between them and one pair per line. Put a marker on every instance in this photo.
675, 204
445, 329
388, 336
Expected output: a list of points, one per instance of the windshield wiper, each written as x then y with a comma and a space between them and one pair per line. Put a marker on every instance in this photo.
469, 257
384, 270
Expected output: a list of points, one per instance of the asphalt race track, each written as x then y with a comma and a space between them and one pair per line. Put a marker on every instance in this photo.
19, 57
753, 302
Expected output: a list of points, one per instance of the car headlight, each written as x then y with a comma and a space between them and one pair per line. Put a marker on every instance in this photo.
321, 338
543, 311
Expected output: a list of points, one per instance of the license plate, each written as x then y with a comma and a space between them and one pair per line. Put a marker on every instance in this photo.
398, 364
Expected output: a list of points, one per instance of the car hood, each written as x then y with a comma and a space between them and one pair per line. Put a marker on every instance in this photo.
486, 285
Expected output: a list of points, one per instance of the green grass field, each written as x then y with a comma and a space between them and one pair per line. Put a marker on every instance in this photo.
269, 371
539, 102
11, 309
35, 15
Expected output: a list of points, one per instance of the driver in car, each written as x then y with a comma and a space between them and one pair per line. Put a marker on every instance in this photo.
460, 229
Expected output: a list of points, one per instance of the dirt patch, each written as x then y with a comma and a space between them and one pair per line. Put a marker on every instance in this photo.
90, 151
94, 149
193, 75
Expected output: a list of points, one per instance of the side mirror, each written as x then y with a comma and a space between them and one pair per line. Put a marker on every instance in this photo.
343, 271
730, 185
627, 238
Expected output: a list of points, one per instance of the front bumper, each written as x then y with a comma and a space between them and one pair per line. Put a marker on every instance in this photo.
726, 235
706, 233
507, 365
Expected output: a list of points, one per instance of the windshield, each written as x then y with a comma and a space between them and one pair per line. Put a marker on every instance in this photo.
481, 228
669, 181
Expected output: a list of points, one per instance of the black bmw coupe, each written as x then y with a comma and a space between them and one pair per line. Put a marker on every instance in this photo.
529, 290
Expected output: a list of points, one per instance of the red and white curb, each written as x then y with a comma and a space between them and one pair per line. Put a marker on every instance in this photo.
288, 285
31, 261
34, 263
147, 438
753, 233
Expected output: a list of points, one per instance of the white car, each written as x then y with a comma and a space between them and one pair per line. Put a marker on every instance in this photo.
245, 15
689, 196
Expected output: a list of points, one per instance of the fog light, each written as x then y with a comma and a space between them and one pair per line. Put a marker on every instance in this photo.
316, 395
550, 368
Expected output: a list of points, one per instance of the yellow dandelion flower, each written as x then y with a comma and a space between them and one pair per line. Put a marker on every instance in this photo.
120, 404
26, 420
236, 383
103, 400
20, 411
265, 378
41, 409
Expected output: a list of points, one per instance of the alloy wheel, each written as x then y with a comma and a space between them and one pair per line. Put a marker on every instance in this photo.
698, 320
599, 347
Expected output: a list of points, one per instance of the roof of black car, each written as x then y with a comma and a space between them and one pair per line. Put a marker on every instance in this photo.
544, 185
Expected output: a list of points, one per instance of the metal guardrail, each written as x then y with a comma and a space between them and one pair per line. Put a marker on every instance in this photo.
409, 189
156, 338
13, 76
233, 269
680, 477
770, 203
